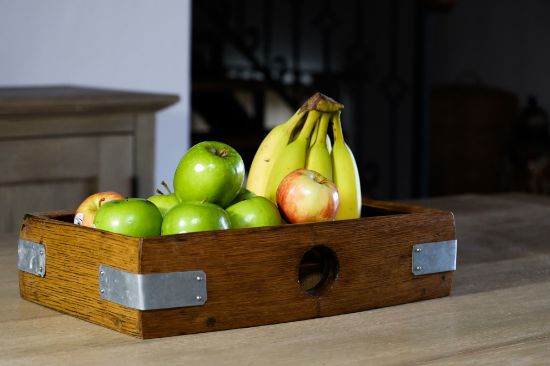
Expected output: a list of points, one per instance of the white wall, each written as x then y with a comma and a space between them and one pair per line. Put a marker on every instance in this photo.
127, 44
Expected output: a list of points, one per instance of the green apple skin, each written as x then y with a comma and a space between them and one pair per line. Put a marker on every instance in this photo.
243, 194
254, 212
210, 171
164, 202
188, 217
130, 216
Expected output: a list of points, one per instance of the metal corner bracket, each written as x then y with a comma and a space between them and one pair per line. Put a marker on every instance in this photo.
152, 291
434, 257
31, 257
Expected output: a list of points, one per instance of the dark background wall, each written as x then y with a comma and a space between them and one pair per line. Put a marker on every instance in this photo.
381, 59
504, 43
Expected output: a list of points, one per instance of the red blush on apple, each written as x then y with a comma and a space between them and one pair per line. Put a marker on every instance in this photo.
307, 196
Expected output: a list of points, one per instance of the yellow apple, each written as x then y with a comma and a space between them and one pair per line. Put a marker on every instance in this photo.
85, 213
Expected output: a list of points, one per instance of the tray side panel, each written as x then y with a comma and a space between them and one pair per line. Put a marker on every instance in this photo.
251, 278
73, 255
252, 275
376, 263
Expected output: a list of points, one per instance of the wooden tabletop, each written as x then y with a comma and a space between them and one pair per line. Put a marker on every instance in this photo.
498, 313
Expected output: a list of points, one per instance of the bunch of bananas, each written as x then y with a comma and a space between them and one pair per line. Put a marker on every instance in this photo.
303, 142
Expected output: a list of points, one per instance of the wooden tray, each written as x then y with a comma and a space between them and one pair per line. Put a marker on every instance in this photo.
252, 276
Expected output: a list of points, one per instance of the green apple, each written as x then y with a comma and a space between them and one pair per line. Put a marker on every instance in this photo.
210, 171
243, 194
164, 202
130, 216
254, 212
190, 217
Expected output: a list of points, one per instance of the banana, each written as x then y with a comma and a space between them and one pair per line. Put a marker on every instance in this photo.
268, 152
345, 174
318, 157
293, 156
285, 148
314, 138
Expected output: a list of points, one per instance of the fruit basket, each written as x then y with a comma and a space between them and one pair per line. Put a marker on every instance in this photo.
214, 280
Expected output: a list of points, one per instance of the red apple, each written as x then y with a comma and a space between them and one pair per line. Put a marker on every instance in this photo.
307, 196
85, 213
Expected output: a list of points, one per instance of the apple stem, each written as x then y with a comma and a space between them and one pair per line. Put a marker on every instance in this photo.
223, 153
322, 180
160, 192
101, 200
166, 186
204, 200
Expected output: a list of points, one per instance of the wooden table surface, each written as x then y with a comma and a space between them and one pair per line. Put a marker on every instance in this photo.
498, 313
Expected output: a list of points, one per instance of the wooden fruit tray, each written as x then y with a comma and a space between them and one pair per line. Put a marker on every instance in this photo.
208, 281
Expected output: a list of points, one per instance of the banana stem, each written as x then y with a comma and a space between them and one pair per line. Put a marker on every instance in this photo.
323, 127
294, 120
322, 103
294, 125
337, 127
314, 135
311, 120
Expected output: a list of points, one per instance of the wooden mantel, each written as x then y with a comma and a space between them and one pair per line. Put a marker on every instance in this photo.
66, 99
62, 143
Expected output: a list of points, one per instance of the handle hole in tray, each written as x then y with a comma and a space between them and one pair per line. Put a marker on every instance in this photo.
318, 269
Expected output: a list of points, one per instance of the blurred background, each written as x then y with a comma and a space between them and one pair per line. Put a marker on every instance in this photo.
441, 97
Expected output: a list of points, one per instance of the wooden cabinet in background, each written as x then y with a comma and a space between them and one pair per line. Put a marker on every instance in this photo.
471, 136
60, 144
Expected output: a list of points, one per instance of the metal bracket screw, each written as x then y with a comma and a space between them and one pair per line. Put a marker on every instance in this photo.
418, 268
199, 278
199, 297
418, 250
